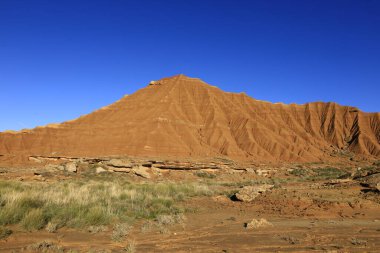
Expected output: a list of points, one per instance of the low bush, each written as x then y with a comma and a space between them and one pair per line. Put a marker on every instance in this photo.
204, 174
4, 232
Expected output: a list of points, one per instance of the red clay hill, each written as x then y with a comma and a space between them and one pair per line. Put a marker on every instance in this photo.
186, 117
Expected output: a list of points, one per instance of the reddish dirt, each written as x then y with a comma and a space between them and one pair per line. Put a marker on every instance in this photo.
306, 217
185, 117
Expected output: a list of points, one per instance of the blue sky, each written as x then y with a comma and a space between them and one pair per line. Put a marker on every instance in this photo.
62, 59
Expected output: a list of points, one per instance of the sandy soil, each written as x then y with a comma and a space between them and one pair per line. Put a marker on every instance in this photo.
306, 217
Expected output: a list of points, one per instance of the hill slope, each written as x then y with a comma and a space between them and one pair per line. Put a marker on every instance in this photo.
182, 116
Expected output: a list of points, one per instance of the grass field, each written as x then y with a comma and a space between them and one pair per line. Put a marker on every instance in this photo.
83, 203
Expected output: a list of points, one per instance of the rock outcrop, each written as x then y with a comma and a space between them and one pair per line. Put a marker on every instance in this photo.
249, 193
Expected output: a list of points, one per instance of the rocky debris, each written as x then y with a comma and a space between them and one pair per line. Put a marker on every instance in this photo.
141, 171
122, 170
52, 158
262, 172
249, 193
290, 239
251, 170
54, 167
254, 224
126, 165
34, 159
334, 183
38, 176
338, 181
364, 172
156, 171
368, 178
71, 167
371, 182
174, 165
99, 170
117, 163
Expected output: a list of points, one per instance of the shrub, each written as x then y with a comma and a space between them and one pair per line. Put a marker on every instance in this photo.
5, 232
51, 227
299, 172
34, 220
204, 174
131, 247
120, 231
330, 173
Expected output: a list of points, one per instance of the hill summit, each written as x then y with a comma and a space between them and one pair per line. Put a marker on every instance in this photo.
186, 117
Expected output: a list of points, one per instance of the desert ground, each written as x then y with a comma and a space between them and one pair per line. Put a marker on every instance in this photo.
140, 205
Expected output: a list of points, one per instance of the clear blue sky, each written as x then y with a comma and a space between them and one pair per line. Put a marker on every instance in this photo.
62, 59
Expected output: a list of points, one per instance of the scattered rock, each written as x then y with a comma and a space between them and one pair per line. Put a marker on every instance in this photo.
290, 239
364, 172
156, 171
34, 159
117, 163
38, 177
358, 242
371, 182
249, 193
97, 229
141, 171
100, 170
125, 170
71, 167
251, 170
262, 172
254, 224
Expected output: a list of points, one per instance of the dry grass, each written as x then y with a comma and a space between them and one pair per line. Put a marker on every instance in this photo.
80, 203
120, 231
4, 232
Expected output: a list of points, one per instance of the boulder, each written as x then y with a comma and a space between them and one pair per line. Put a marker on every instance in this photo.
100, 170
254, 224
141, 171
117, 163
71, 167
249, 193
